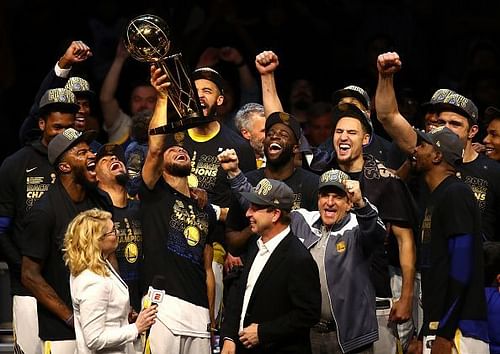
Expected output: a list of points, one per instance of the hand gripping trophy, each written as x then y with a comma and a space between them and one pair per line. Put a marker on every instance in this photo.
146, 39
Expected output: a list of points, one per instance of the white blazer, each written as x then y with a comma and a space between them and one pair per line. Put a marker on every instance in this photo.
101, 306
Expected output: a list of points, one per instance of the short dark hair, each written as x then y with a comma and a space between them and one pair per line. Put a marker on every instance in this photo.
284, 218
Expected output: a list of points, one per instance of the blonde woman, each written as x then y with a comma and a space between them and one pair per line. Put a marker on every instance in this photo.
100, 297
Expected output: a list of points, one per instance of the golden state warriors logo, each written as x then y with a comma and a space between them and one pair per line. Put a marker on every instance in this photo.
341, 246
192, 235
192, 181
131, 252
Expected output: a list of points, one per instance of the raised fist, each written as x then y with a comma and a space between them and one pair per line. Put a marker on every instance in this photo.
266, 62
388, 63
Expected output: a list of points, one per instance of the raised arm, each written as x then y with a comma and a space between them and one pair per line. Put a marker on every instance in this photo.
266, 63
109, 103
76, 52
153, 165
386, 104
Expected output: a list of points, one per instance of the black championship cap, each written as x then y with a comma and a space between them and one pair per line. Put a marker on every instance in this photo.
447, 142
110, 150
333, 178
271, 192
351, 111
58, 99
458, 104
286, 119
437, 97
352, 91
210, 75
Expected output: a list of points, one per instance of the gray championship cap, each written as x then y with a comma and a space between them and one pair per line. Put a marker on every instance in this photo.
447, 142
333, 178
79, 86
458, 104
59, 99
272, 193
66, 140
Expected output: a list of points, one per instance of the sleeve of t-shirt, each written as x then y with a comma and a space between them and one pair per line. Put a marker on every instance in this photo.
38, 227
236, 220
246, 156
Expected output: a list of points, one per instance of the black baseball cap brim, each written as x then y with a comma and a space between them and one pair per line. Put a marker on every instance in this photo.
290, 121
110, 150
422, 136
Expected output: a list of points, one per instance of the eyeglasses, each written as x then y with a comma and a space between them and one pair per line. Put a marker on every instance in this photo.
114, 231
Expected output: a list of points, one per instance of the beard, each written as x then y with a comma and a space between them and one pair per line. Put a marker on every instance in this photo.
122, 179
80, 178
178, 170
284, 157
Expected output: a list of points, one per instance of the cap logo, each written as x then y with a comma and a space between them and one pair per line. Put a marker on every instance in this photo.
333, 175
263, 187
71, 134
284, 117
58, 96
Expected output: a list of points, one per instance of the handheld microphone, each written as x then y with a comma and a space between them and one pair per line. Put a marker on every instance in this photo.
155, 296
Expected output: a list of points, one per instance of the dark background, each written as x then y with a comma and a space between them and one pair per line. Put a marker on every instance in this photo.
443, 44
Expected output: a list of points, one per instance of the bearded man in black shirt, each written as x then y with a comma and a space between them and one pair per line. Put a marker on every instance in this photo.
177, 243
43, 270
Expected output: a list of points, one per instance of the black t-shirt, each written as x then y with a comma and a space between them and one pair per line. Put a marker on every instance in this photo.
129, 250
483, 176
42, 239
175, 233
451, 210
206, 171
24, 178
395, 205
304, 185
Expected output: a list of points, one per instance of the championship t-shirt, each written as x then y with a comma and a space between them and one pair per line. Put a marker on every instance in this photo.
206, 171
395, 205
483, 176
129, 250
175, 231
42, 239
25, 177
451, 211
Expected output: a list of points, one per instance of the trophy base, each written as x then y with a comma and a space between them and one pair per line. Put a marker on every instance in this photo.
185, 123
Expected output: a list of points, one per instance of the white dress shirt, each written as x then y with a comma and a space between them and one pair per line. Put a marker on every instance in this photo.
265, 252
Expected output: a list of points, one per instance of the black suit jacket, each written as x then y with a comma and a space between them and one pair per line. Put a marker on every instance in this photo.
285, 301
